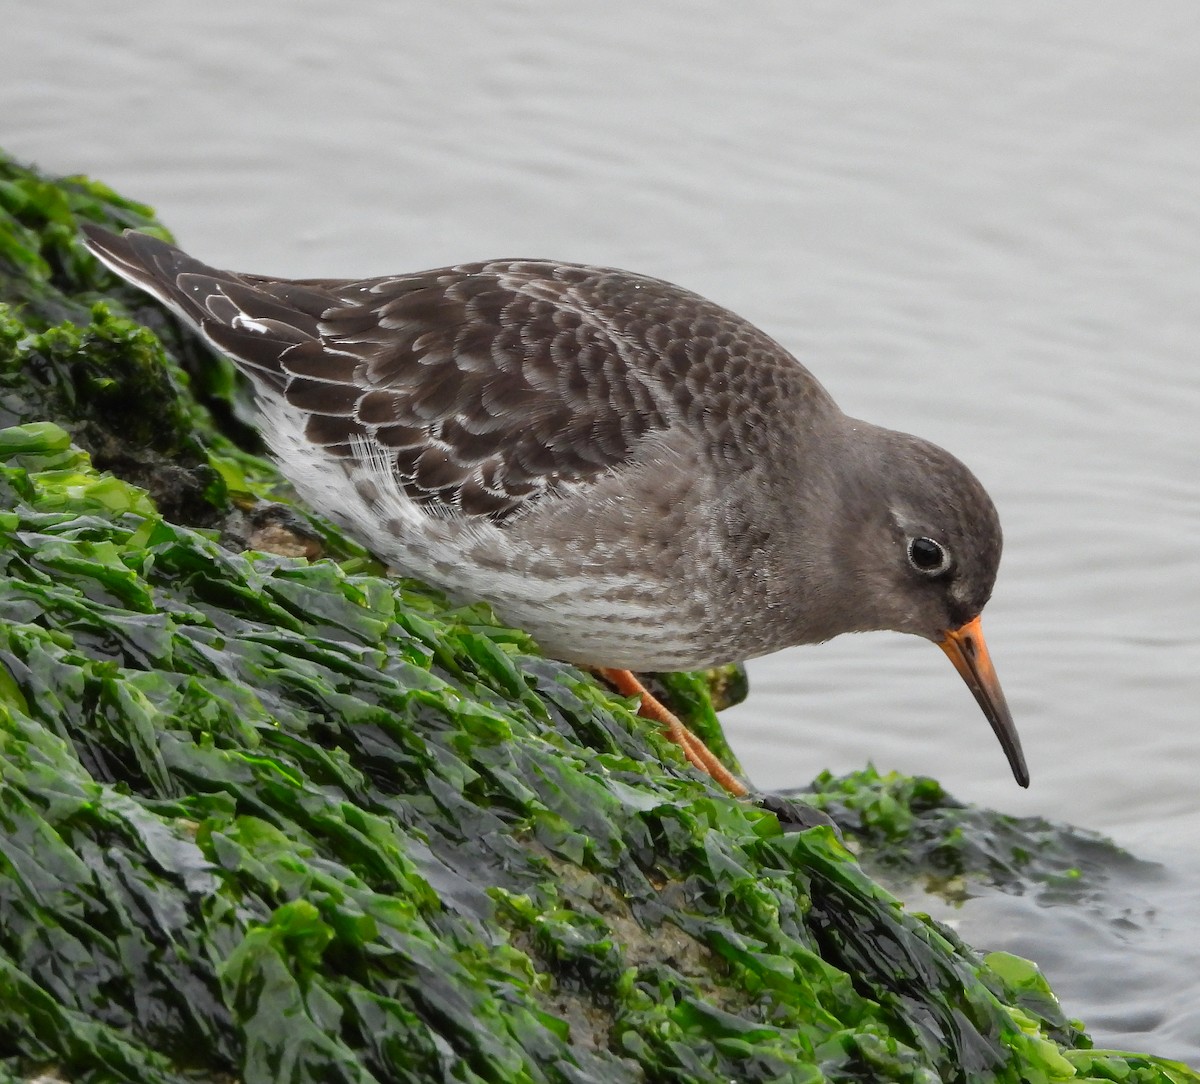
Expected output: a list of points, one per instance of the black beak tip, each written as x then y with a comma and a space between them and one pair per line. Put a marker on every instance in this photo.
1016, 761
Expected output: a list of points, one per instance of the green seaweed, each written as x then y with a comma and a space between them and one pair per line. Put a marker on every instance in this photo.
908, 830
269, 818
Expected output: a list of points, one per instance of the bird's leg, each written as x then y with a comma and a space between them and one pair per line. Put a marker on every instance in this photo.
693, 748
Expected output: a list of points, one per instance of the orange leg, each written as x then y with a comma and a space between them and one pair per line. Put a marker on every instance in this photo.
694, 749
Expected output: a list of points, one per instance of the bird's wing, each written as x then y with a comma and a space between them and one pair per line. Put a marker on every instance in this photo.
486, 385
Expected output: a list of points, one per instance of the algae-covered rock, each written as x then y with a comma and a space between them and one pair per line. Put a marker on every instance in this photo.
911, 834
272, 818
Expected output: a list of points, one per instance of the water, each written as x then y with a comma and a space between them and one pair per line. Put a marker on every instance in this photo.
1125, 959
980, 225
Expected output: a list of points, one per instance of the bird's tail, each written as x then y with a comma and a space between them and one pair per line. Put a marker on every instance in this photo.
253, 320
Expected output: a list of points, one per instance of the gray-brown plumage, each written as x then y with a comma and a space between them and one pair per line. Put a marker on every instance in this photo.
635, 474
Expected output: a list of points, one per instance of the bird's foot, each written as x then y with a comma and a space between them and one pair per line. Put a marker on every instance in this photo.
693, 748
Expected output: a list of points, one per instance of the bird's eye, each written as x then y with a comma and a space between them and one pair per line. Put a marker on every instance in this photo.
927, 556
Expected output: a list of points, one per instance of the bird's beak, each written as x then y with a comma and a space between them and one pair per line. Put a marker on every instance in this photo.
966, 649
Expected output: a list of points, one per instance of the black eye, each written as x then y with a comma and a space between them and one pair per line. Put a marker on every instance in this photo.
928, 556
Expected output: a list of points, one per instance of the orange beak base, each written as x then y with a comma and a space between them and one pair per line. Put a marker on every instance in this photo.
967, 650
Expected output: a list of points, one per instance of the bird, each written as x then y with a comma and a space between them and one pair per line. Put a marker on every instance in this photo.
640, 478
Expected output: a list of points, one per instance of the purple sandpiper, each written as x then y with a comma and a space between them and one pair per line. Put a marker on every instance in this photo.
635, 475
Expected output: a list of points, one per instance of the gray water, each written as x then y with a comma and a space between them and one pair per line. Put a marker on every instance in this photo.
977, 224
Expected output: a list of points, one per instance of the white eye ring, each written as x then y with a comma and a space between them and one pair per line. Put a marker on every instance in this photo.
927, 556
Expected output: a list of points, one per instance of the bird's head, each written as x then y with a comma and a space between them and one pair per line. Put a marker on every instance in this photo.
922, 549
